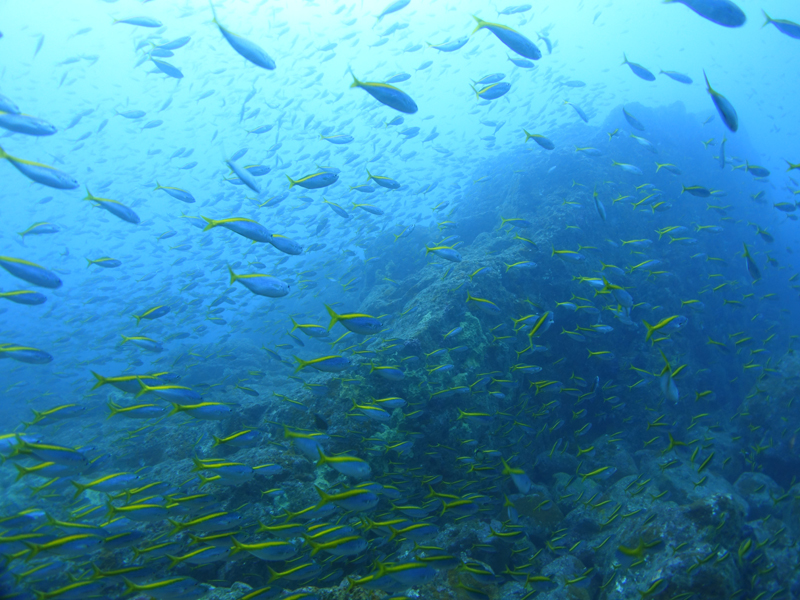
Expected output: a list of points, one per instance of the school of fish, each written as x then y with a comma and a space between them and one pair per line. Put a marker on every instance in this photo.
379, 368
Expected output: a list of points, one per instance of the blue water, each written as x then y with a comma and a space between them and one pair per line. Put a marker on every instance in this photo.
555, 358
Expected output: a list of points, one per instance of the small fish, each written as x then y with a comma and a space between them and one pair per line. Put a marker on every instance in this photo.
629, 168
787, 27
638, 69
752, 268
679, 77
167, 68
247, 49
450, 46
393, 8
493, 91
578, 110
388, 95
139, 21
633, 121
539, 139
40, 173
721, 12
30, 272
724, 107
513, 39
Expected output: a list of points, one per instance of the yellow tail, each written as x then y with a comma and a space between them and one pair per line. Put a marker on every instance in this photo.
334, 316
80, 489
234, 276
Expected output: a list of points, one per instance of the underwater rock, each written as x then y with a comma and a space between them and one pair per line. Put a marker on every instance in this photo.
759, 491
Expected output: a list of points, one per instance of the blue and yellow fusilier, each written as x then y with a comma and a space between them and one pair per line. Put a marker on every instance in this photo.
285, 245
30, 272
24, 297
493, 91
40, 229
153, 313
315, 181
105, 262
176, 193
40, 173
260, 284
539, 139
25, 354
387, 94
513, 39
327, 364
724, 107
114, 207
248, 228
19, 123
386, 182
357, 323
249, 50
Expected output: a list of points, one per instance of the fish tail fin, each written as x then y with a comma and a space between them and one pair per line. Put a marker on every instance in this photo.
477, 95
145, 388
294, 325
650, 330
301, 364
683, 189
508, 266
527, 136
80, 488
322, 458
88, 194
211, 223
90, 263
174, 560
356, 82
324, 497
292, 182
175, 410
4, 154
333, 315
177, 528
481, 23
237, 546
158, 186
34, 551
397, 237
624, 59
138, 318
233, 275
100, 380
658, 167
114, 408
767, 17
198, 465
21, 472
